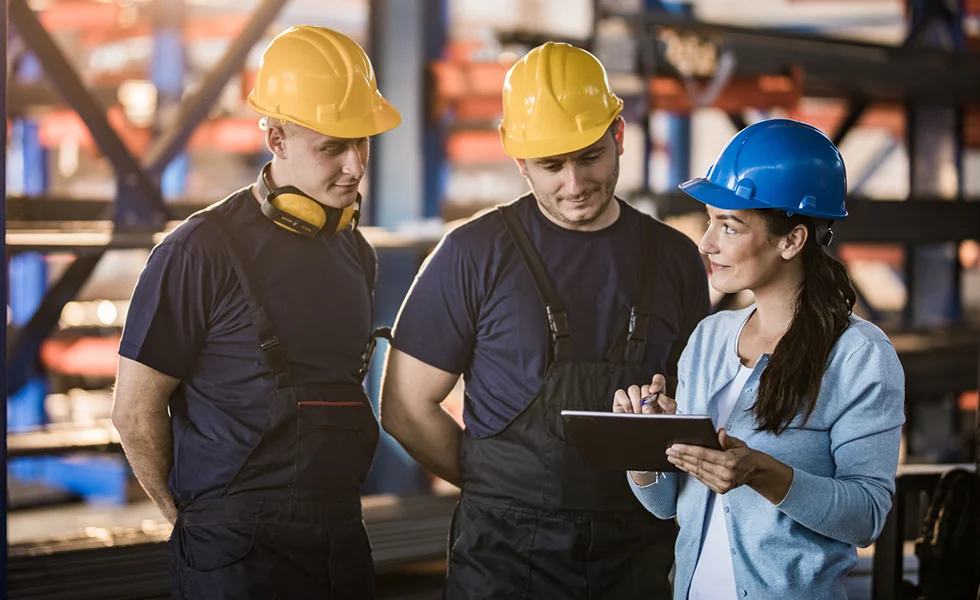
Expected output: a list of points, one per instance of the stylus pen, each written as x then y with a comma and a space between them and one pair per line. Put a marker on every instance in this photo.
650, 399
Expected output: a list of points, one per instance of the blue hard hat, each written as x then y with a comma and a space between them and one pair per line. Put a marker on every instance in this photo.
778, 163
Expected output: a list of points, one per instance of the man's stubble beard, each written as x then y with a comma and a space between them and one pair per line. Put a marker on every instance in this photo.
607, 191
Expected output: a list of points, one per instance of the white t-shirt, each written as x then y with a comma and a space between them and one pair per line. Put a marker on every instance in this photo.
714, 577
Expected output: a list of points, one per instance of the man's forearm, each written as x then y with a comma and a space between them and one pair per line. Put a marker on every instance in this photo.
432, 438
149, 446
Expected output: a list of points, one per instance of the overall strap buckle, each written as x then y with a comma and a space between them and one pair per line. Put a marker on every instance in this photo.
561, 342
380, 332
275, 354
636, 337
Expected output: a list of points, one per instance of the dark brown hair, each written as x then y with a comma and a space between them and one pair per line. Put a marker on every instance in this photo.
791, 382
612, 126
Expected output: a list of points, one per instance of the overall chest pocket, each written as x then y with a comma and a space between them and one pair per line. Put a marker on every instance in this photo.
583, 386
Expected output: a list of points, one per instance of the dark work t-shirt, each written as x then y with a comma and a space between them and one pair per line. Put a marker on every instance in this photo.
189, 319
474, 310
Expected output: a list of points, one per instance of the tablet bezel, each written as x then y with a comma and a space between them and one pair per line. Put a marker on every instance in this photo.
635, 442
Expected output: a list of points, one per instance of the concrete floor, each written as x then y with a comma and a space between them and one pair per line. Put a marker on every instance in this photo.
420, 582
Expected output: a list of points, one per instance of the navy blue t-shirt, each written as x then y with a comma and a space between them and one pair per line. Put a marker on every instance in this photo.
474, 310
189, 319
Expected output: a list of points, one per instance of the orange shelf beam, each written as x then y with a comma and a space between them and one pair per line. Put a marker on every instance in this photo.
472, 91
229, 134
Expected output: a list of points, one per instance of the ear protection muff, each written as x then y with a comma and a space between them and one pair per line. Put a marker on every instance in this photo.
824, 233
290, 208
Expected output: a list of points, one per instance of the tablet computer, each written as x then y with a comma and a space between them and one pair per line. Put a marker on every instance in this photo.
631, 442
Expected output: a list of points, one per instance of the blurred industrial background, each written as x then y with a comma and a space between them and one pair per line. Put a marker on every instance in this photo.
124, 116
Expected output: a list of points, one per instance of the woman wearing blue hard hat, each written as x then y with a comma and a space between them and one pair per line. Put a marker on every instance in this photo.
808, 397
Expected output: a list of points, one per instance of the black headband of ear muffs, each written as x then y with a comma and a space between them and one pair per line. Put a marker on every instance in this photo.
825, 235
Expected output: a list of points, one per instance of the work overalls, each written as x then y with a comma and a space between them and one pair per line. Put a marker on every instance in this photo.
534, 522
288, 525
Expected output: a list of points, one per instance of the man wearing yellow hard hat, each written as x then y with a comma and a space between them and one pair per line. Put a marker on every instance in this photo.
238, 398
546, 304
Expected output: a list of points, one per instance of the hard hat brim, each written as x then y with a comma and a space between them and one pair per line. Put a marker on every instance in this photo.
373, 123
717, 196
710, 194
572, 142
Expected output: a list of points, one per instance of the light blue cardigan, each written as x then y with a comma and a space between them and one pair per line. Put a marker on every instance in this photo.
844, 461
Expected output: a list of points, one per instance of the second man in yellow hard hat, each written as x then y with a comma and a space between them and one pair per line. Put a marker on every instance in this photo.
551, 302
239, 399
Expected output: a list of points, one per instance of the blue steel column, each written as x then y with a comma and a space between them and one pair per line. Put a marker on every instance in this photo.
93, 477
398, 54
679, 126
932, 270
167, 74
3, 292
435, 174
27, 272
935, 155
406, 178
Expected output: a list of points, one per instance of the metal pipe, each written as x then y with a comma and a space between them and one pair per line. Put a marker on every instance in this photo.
169, 145
26, 342
854, 114
61, 73
832, 66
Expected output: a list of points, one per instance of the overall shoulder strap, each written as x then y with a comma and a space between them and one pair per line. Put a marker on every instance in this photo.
630, 344
369, 264
367, 258
639, 325
561, 341
275, 354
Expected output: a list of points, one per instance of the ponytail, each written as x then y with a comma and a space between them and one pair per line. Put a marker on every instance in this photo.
791, 382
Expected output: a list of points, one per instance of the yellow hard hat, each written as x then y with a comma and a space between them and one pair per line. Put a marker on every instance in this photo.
557, 99
321, 79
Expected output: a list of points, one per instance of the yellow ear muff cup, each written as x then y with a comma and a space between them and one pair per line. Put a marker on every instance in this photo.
300, 206
313, 212
291, 209
346, 215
